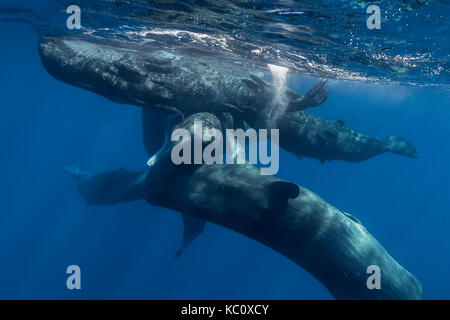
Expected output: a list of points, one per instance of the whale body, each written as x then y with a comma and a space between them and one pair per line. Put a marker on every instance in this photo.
330, 244
178, 82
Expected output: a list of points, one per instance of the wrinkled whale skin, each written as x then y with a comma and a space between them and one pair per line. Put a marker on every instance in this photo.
332, 245
157, 78
176, 82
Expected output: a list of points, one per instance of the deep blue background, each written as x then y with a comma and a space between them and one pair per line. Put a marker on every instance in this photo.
126, 251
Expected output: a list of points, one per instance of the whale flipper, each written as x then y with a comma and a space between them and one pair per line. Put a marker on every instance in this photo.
193, 227
313, 98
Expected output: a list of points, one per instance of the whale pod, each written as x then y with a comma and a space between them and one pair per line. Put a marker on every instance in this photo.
177, 82
332, 245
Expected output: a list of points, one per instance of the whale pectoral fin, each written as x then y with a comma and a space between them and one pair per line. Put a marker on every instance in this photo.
279, 194
193, 227
317, 95
314, 98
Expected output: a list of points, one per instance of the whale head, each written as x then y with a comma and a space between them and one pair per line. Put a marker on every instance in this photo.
118, 73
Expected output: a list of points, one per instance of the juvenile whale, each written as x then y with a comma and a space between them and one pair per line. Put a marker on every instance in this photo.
331, 244
178, 82
332, 140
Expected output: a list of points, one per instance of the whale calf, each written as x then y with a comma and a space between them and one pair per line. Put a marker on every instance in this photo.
327, 140
178, 82
331, 244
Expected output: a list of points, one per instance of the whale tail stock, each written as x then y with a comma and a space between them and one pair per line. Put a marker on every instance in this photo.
398, 145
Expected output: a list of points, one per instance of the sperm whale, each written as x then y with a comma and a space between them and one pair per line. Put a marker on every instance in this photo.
177, 82
331, 244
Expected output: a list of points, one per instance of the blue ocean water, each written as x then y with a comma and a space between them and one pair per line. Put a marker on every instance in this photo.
127, 251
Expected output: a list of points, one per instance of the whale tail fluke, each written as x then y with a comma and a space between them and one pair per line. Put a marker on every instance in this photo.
109, 187
398, 145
